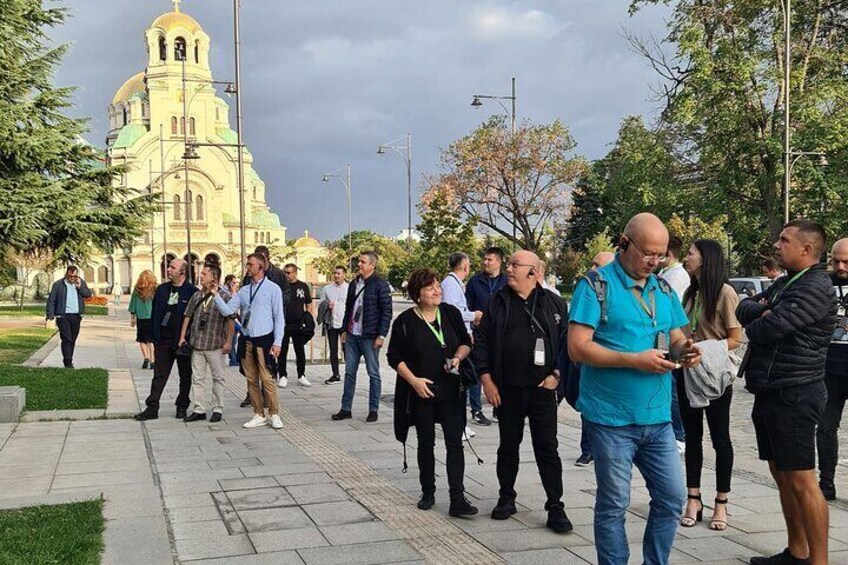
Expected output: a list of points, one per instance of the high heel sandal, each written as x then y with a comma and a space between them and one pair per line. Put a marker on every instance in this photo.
718, 525
688, 521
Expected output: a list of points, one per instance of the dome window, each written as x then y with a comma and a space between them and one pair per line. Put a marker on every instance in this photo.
163, 50
191, 130
180, 49
197, 51
199, 204
173, 125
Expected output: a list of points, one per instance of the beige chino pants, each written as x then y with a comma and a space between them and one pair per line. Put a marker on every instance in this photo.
213, 362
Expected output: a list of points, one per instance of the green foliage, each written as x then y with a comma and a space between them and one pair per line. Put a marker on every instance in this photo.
603, 241
55, 193
393, 257
443, 231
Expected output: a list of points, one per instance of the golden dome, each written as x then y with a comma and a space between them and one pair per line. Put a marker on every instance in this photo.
307, 241
133, 86
171, 20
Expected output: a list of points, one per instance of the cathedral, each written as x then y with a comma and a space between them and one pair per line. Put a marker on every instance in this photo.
151, 117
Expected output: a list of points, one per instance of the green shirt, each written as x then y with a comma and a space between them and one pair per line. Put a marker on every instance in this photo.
143, 309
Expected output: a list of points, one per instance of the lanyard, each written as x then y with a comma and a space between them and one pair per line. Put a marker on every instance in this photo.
253, 292
650, 311
440, 334
797, 276
695, 314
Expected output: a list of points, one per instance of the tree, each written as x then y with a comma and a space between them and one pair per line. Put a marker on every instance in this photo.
442, 230
512, 184
392, 262
56, 196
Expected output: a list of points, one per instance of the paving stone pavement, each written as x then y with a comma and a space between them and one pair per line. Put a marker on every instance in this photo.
323, 492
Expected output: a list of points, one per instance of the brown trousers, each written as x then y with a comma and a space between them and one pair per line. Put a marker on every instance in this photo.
259, 377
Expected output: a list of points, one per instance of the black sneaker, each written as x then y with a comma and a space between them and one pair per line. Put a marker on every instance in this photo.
372, 416
342, 415
783, 558
332, 380
461, 507
147, 414
181, 413
146, 364
216, 417
195, 416
246, 402
828, 490
479, 419
558, 521
584, 460
426, 501
504, 509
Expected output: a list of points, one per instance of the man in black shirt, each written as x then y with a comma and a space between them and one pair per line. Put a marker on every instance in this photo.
299, 303
836, 375
515, 353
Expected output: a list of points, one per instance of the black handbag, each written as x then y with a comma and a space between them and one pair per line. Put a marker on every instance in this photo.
306, 327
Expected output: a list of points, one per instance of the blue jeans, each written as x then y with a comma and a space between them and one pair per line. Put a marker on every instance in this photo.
234, 362
652, 449
474, 398
356, 347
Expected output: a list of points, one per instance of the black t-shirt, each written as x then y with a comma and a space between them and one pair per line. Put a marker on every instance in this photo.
837, 353
520, 341
300, 297
170, 331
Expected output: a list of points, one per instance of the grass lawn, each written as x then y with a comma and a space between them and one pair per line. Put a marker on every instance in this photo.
38, 310
47, 535
48, 388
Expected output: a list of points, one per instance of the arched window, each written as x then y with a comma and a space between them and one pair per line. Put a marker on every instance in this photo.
255, 237
268, 237
163, 51
254, 192
103, 274
230, 237
180, 49
191, 126
177, 207
126, 116
144, 110
197, 51
217, 114
199, 205
182, 125
173, 125
262, 237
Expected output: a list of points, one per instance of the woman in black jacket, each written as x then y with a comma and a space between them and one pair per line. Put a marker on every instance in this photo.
428, 343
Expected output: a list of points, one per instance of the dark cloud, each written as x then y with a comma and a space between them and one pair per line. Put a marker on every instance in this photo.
325, 82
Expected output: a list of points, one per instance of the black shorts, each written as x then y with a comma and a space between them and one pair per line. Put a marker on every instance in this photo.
143, 331
785, 421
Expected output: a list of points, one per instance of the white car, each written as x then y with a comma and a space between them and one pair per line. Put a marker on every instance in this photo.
746, 287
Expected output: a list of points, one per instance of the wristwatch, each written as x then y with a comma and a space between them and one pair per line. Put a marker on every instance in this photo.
381, 337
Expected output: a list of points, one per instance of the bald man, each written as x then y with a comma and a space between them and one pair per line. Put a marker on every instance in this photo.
836, 374
515, 353
169, 306
602, 259
627, 350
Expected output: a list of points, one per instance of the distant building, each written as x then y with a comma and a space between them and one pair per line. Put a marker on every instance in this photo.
402, 236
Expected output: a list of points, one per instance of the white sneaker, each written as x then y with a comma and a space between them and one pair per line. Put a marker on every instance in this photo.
276, 422
283, 382
256, 422
681, 447
468, 433
303, 382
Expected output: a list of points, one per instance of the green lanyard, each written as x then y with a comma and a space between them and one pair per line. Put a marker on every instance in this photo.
440, 335
787, 285
695, 315
650, 311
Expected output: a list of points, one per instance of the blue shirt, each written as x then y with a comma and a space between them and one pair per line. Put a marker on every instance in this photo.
453, 293
266, 309
624, 396
71, 299
480, 289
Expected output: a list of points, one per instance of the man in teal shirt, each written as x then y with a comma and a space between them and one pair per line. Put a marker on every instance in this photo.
628, 347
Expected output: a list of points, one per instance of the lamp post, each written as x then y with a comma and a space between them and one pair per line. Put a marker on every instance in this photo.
404, 151
240, 149
345, 178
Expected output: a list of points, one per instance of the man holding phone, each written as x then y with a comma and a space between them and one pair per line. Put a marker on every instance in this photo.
67, 305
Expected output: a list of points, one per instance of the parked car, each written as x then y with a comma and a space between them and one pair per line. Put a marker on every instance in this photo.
746, 287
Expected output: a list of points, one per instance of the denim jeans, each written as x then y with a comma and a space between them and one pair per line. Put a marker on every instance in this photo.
652, 449
474, 398
233, 356
356, 347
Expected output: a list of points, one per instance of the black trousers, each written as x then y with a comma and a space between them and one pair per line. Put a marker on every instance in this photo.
69, 328
718, 421
165, 358
450, 413
299, 352
333, 341
539, 406
826, 440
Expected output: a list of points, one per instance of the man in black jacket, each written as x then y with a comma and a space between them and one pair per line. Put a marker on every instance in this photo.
789, 328
515, 354
67, 305
836, 375
169, 306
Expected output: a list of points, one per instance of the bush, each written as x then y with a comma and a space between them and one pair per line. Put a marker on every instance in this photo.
97, 300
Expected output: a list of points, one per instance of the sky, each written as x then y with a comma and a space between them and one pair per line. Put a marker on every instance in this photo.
325, 82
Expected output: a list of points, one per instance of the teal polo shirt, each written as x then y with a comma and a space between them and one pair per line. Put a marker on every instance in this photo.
617, 396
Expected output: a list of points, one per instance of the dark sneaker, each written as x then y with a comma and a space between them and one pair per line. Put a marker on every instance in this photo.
461, 507
426, 501
332, 380
181, 413
504, 509
558, 521
584, 460
147, 414
245, 403
372, 417
342, 415
828, 490
783, 558
195, 416
479, 419
216, 417
146, 364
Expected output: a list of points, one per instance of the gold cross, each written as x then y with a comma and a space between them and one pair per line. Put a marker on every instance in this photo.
176, 5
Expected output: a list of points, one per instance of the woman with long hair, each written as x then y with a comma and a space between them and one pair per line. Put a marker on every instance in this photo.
141, 307
710, 304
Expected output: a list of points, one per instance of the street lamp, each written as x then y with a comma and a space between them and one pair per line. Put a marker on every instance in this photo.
476, 103
404, 151
345, 178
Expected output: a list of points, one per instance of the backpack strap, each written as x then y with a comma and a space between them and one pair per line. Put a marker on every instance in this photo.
599, 284
665, 287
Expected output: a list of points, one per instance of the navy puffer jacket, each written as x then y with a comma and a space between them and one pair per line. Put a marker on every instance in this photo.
376, 307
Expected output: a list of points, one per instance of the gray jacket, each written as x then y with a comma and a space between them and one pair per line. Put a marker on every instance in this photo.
59, 296
708, 380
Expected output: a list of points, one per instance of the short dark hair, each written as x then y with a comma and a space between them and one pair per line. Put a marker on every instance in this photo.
342, 267
214, 269
262, 250
372, 256
456, 259
769, 264
418, 279
261, 258
494, 251
71, 269
290, 266
229, 278
813, 231
675, 246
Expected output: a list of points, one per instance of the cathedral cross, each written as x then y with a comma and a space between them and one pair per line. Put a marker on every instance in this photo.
176, 5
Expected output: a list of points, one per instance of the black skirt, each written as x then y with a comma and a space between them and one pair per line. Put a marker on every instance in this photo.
143, 333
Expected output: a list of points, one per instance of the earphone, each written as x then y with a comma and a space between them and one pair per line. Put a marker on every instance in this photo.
531, 273
624, 244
